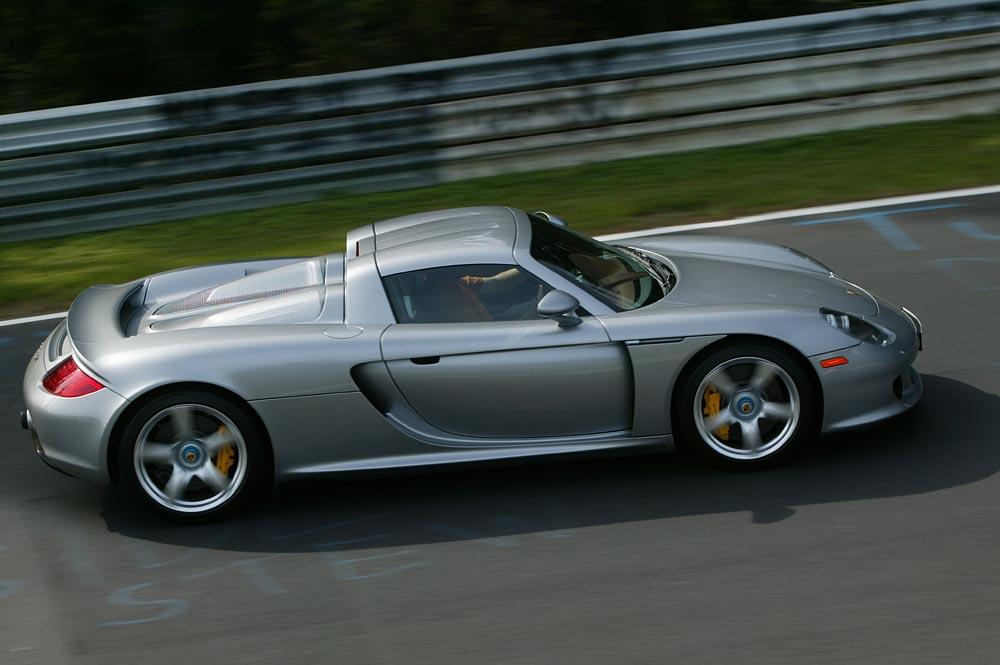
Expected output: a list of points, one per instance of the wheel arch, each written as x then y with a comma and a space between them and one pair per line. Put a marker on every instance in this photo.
732, 340
118, 429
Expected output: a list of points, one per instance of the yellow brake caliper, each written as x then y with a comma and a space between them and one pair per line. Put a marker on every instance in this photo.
713, 399
224, 460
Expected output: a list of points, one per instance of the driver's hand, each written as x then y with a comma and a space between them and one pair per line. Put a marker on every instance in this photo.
473, 281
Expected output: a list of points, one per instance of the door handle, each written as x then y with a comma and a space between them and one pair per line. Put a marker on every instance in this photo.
425, 360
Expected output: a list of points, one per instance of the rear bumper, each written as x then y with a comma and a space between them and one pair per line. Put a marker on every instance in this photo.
70, 434
877, 382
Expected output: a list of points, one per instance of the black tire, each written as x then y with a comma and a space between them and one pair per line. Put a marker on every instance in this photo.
728, 447
248, 447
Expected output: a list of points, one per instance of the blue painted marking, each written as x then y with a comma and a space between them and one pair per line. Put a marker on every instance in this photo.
344, 568
253, 569
496, 541
80, 561
171, 606
325, 527
972, 230
558, 514
40, 334
857, 215
882, 223
146, 558
10, 587
954, 268
6, 341
351, 541
511, 522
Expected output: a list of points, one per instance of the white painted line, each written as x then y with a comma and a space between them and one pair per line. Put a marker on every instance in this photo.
32, 319
752, 219
805, 212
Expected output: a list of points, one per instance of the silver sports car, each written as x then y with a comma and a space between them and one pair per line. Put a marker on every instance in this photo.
452, 336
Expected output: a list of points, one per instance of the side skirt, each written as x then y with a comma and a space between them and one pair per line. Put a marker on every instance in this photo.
467, 455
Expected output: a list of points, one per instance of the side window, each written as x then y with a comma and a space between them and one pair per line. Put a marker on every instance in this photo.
461, 294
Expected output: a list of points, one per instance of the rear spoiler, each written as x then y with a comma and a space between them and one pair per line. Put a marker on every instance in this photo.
100, 313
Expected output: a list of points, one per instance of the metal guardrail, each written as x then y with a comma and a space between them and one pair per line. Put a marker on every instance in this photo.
112, 164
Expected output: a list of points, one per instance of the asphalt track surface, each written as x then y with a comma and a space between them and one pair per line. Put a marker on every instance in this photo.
875, 546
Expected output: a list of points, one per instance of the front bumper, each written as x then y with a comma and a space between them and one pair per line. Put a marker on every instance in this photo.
70, 434
877, 382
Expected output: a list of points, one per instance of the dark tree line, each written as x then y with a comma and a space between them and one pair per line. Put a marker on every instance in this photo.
60, 52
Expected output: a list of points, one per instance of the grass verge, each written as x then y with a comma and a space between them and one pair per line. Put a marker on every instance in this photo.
44, 275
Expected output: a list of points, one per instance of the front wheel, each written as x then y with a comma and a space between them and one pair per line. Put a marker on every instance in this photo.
747, 405
193, 455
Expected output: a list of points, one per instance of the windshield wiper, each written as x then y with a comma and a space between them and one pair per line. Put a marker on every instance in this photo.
650, 267
663, 269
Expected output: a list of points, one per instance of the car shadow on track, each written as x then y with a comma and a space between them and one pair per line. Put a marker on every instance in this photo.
950, 439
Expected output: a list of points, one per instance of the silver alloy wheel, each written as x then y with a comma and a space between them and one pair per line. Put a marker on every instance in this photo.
180, 470
753, 391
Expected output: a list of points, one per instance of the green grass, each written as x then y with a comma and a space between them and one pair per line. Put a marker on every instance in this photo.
44, 275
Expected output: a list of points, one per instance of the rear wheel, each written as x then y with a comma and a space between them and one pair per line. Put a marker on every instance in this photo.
193, 455
747, 405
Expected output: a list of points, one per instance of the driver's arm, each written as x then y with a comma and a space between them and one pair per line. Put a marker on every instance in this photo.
498, 283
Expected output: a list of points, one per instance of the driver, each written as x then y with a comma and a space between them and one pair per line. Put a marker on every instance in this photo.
501, 282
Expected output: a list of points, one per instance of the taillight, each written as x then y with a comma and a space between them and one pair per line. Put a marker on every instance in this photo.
68, 380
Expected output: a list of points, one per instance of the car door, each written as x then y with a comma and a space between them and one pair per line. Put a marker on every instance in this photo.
491, 368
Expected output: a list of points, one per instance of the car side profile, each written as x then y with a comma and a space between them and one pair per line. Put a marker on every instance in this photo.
459, 335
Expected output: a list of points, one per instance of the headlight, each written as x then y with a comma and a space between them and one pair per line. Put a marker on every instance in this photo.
855, 327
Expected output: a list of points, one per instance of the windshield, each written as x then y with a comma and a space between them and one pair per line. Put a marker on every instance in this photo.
613, 275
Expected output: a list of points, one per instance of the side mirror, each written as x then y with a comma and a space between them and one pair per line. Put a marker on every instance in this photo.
560, 307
